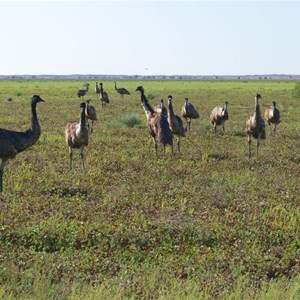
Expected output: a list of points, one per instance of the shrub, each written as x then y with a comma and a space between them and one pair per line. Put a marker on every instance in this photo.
151, 96
131, 120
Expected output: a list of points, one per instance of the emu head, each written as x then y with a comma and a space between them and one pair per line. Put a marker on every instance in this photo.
83, 105
257, 97
170, 98
36, 99
140, 89
224, 109
274, 103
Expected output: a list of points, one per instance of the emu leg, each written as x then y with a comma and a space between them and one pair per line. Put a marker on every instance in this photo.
249, 143
155, 146
189, 123
178, 145
215, 128
3, 162
92, 127
274, 128
82, 157
172, 149
71, 157
223, 126
257, 145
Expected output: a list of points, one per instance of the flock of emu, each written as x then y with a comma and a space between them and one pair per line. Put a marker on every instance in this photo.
162, 123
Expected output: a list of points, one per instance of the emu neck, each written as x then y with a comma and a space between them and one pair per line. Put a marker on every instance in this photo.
35, 126
143, 96
257, 110
147, 108
185, 104
82, 119
171, 111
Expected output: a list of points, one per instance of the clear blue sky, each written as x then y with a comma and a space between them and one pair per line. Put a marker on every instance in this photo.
150, 37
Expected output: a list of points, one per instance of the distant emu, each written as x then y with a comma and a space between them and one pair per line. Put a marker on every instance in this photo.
14, 142
272, 116
82, 93
103, 95
219, 115
175, 123
76, 135
160, 108
255, 126
97, 89
189, 112
121, 91
90, 113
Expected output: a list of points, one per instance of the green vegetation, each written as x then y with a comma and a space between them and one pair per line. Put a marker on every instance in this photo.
212, 224
296, 91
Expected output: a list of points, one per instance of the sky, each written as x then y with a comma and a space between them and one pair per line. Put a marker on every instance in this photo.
149, 37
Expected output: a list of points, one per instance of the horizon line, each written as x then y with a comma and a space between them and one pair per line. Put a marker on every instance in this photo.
145, 75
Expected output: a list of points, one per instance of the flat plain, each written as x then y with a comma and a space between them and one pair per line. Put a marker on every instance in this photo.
210, 224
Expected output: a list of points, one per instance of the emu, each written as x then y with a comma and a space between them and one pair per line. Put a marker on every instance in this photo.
103, 96
121, 91
97, 90
157, 124
77, 134
255, 126
176, 124
189, 112
272, 116
219, 115
82, 93
90, 113
160, 108
14, 142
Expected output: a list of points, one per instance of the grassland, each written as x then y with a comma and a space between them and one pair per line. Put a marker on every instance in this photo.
212, 224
